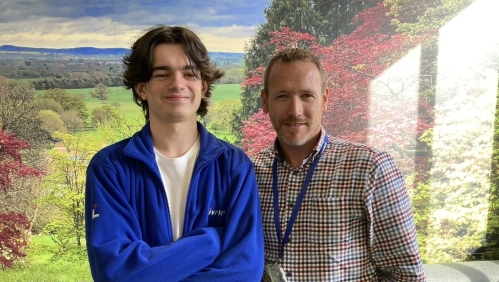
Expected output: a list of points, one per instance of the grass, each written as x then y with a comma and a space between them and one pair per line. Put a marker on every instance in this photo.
124, 97
132, 111
225, 91
61, 272
39, 267
224, 135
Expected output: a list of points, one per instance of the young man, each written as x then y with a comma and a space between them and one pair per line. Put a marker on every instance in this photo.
172, 203
332, 210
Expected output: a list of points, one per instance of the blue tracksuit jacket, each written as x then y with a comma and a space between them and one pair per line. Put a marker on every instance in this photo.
128, 227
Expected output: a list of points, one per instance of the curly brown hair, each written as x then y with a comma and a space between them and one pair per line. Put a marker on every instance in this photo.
138, 64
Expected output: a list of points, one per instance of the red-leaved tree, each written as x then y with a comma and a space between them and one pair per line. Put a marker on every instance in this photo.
259, 133
351, 64
14, 226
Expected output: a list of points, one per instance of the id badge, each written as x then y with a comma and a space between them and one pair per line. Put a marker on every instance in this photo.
274, 272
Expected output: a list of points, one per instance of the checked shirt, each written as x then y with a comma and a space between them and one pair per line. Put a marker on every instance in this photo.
355, 222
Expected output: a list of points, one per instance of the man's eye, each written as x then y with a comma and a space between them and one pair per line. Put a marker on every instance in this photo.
160, 75
190, 75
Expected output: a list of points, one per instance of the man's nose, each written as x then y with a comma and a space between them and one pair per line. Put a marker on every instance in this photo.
295, 107
177, 81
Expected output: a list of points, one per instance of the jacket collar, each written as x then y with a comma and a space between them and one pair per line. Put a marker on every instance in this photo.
140, 146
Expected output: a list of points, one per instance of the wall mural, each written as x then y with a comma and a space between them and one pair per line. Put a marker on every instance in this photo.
418, 79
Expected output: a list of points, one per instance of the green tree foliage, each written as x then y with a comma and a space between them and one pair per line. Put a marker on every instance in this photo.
65, 184
72, 121
100, 92
418, 18
104, 114
51, 122
221, 114
116, 105
445, 236
68, 101
490, 249
121, 128
50, 104
335, 17
19, 113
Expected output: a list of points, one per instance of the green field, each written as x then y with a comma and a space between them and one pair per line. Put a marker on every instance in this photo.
124, 97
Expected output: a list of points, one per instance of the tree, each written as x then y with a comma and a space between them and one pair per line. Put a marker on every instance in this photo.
100, 92
258, 132
350, 63
104, 114
68, 101
50, 104
490, 248
19, 116
221, 115
65, 184
116, 105
19, 112
14, 227
51, 122
72, 121
335, 17
323, 20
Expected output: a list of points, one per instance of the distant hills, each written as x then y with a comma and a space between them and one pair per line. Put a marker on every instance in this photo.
92, 51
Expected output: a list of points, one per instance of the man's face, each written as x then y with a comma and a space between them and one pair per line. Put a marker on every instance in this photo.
295, 102
173, 92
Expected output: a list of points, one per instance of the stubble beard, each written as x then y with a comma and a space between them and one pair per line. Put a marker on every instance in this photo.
290, 140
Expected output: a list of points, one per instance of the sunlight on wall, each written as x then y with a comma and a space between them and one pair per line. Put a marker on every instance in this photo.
393, 108
464, 125
466, 90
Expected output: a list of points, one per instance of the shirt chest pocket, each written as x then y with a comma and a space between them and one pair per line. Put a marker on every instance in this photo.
329, 221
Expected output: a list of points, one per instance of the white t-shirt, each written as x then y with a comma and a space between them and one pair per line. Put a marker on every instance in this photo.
176, 174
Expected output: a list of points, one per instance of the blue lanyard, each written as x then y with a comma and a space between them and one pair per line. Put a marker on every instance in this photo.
299, 200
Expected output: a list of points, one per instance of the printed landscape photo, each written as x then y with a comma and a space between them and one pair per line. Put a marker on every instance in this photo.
418, 79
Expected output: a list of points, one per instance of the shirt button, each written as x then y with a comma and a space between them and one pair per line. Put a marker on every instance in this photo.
288, 274
295, 172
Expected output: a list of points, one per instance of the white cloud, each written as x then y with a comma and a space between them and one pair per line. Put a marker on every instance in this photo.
222, 24
104, 33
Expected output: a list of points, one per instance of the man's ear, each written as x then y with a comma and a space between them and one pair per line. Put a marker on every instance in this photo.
325, 98
204, 89
265, 101
140, 89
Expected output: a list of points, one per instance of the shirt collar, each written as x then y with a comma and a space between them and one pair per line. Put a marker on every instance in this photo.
278, 152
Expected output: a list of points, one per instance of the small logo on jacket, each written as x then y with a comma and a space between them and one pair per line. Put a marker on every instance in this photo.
216, 212
94, 215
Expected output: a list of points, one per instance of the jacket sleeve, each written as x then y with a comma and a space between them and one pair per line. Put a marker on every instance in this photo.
392, 232
242, 244
115, 249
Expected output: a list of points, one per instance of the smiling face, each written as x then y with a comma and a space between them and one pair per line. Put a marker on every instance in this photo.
295, 102
175, 90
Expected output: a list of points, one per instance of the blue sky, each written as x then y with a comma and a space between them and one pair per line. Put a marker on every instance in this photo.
223, 25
